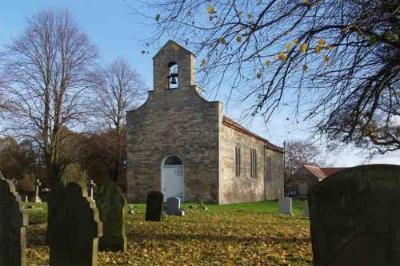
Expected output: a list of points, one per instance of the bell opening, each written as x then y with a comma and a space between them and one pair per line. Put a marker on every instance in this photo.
173, 77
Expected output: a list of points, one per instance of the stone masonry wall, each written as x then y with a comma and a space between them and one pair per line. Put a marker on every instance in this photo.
174, 122
172, 52
241, 188
274, 175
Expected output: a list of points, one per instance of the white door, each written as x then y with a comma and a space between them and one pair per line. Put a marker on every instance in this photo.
173, 181
172, 178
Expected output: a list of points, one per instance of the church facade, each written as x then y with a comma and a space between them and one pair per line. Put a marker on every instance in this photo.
183, 145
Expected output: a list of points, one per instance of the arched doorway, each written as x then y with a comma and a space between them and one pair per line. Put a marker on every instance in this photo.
172, 177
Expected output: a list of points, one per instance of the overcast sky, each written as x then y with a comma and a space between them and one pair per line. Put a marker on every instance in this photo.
116, 32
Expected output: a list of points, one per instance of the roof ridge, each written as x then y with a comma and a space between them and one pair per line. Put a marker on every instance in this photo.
239, 127
175, 43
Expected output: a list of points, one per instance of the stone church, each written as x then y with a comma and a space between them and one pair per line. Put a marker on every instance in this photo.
183, 145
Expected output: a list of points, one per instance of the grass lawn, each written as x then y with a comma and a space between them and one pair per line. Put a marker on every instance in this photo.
236, 234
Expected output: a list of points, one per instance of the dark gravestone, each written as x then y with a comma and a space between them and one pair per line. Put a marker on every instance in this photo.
113, 209
355, 217
75, 228
174, 207
154, 206
13, 222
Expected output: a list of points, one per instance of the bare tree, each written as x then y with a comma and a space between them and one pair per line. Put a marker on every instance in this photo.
336, 61
299, 153
117, 89
45, 70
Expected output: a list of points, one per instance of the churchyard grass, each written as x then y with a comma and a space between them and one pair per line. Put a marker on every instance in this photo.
235, 234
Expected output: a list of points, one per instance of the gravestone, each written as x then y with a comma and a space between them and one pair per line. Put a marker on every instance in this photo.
306, 211
75, 228
113, 210
174, 207
285, 206
354, 217
13, 222
154, 206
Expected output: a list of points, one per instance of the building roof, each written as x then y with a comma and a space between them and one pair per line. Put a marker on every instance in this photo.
173, 43
236, 126
322, 172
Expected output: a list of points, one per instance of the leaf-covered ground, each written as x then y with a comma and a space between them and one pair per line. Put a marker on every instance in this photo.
237, 234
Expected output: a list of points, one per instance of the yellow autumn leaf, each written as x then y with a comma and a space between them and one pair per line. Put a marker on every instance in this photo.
288, 46
282, 56
211, 10
318, 49
222, 41
238, 38
304, 47
326, 59
321, 42
296, 42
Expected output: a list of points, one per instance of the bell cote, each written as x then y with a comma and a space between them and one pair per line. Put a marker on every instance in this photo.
173, 67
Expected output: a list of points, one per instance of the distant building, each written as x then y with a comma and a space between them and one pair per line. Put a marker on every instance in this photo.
183, 145
309, 175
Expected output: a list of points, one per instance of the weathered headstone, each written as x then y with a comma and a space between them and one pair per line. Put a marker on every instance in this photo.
113, 210
75, 228
306, 211
285, 206
174, 207
154, 206
13, 222
354, 217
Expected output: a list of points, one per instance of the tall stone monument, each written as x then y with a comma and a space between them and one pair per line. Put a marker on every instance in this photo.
13, 222
92, 185
113, 210
75, 229
38, 184
354, 217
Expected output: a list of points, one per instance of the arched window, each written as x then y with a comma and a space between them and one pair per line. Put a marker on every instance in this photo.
173, 77
173, 160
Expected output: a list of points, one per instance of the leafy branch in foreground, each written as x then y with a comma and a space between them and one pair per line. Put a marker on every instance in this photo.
337, 62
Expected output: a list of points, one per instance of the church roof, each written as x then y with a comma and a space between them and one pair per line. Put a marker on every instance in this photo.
236, 126
322, 172
171, 42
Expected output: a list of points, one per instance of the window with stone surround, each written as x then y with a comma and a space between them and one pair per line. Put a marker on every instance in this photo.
237, 160
253, 163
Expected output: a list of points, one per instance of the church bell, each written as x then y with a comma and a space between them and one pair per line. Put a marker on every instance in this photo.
173, 78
